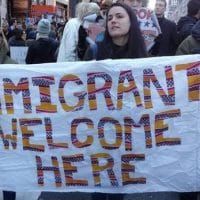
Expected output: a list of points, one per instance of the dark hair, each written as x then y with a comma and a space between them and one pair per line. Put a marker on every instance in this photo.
18, 33
193, 7
165, 2
135, 45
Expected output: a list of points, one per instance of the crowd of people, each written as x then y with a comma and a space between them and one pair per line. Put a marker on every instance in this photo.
119, 33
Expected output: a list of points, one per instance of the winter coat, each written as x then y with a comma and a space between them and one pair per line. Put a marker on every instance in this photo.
4, 59
102, 51
184, 27
15, 43
42, 51
69, 42
191, 45
166, 43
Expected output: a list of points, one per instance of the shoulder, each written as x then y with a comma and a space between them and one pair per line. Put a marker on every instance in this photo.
74, 22
169, 22
8, 60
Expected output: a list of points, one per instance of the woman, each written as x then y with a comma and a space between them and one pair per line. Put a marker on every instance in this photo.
68, 46
122, 39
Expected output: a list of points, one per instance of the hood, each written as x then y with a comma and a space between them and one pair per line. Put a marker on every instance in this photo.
185, 20
196, 31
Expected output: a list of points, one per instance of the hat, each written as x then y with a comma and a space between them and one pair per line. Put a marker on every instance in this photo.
44, 27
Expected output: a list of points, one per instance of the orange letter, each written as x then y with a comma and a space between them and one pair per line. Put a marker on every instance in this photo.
22, 86
79, 95
24, 124
69, 170
49, 136
166, 99
132, 87
97, 168
126, 168
160, 127
44, 83
8, 138
129, 123
74, 138
118, 132
105, 90
54, 169
193, 76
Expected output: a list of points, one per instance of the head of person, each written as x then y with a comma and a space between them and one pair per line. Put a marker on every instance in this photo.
19, 33
104, 5
193, 8
122, 29
43, 28
84, 9
160, 7
134, 3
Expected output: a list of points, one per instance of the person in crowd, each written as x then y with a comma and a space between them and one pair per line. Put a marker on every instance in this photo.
18, 39
185, 24
43, 49
191, 45
69, 42
5, 28
52, 33
148, 22
12, 26
166, 42
4, 58
122, 38
30, 38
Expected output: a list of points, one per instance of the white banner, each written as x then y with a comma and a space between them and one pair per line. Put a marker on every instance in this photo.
111, 126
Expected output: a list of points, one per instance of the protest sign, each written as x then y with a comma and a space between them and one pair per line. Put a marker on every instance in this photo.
18, 54
149, 26
109, 126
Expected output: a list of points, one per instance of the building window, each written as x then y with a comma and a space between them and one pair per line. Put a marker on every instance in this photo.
38, 2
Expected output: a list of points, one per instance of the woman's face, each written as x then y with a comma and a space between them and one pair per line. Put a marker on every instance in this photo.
134, 3
118, 22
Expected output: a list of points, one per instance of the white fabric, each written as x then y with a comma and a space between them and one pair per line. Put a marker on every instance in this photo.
69, 42
64, 114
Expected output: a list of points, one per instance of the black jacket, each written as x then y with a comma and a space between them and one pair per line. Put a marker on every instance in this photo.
166, 43
184, 27
105, 51
42, 51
